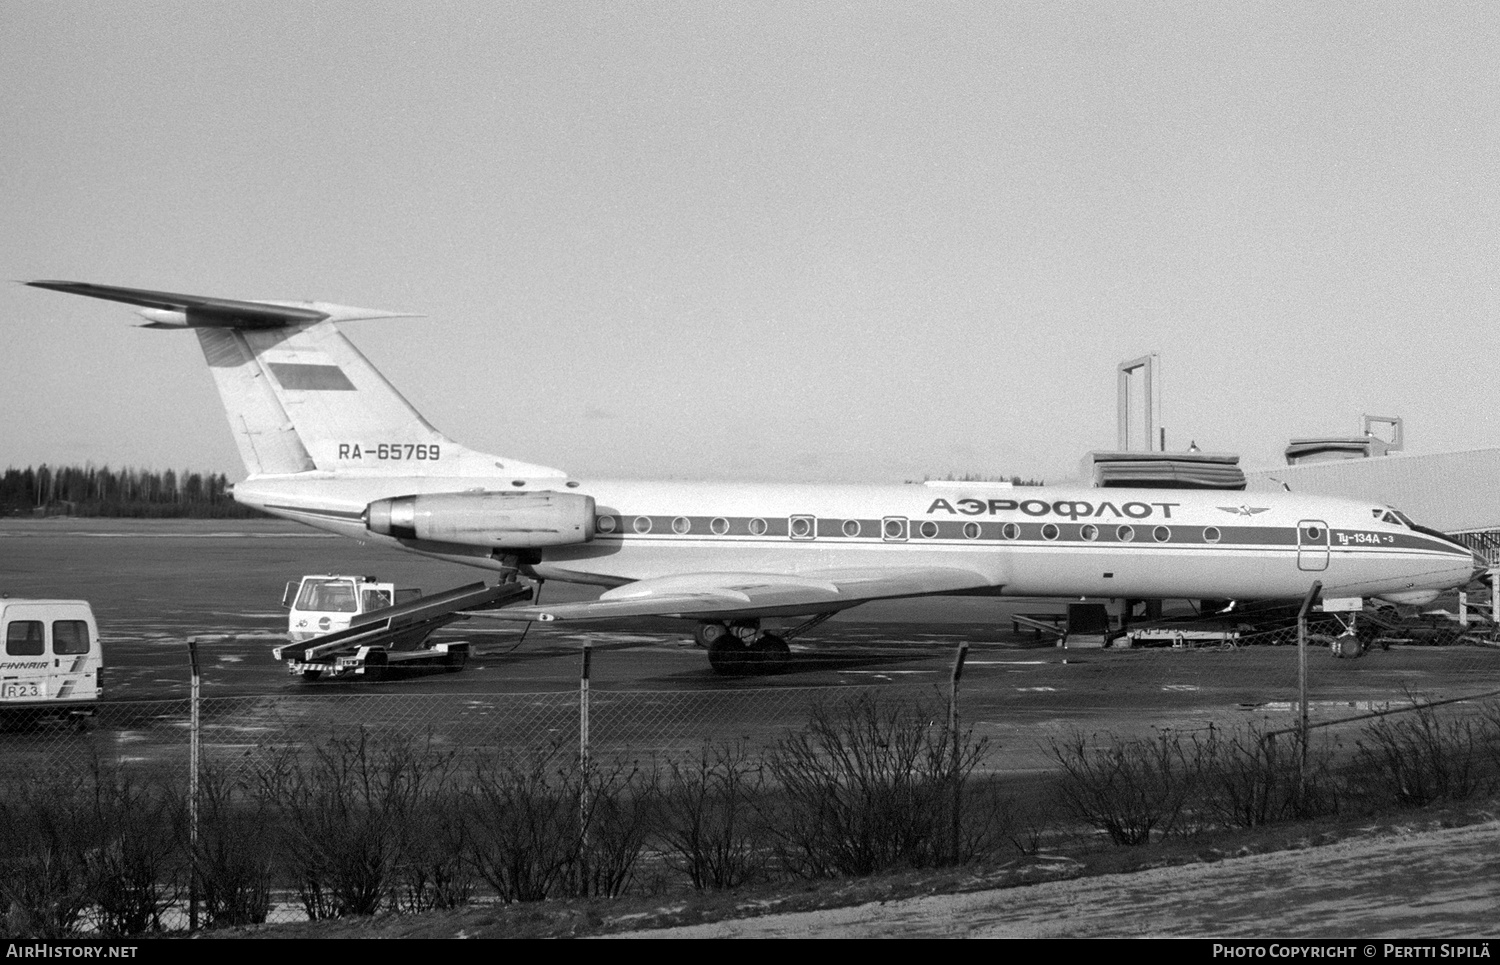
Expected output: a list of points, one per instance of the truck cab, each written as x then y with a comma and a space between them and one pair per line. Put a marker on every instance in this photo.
326, 603
50, 657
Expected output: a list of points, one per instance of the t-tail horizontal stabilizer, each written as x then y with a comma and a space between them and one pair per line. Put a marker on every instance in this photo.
172, 310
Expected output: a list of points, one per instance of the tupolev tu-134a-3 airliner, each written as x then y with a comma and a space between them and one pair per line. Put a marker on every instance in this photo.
327, 441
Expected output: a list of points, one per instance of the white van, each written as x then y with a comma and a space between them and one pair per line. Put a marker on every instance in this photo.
51, 658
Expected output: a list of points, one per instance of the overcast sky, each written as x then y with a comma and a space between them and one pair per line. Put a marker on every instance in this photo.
806, 241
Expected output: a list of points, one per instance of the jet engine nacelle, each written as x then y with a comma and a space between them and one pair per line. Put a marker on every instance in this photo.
501, 520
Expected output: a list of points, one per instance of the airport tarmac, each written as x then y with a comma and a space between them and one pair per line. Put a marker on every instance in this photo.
155, 584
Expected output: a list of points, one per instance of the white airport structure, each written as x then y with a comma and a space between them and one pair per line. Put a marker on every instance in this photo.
1453, 492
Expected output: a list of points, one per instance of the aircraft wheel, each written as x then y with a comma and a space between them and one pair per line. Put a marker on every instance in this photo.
728, 656
771, 649
745, 630
706, 633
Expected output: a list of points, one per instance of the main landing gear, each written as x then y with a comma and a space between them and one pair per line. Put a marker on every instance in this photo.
739, 648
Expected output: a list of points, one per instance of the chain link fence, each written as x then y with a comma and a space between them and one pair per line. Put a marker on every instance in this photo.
109, 828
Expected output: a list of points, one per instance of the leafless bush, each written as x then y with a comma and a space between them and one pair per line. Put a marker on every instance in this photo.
134, 872
617, 804
1420, 757
1249, 779
434, 871
348, 815
869, 786
711, 830
86, 847
544, 826
46, 829
234, 856
1126, 788
524, 826
1002, 820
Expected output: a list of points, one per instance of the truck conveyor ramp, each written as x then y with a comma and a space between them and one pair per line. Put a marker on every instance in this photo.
405, 623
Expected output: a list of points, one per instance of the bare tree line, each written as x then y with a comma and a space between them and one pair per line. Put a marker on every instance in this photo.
90, 490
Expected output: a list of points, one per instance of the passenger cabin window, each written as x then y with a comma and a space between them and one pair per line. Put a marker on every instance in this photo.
70, 637
719, 526
802, 527
893, 528
851, 527
25, 638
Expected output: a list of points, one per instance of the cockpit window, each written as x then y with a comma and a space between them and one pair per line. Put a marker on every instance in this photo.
1393, 516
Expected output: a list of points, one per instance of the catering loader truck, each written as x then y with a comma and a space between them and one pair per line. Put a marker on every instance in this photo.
358, 627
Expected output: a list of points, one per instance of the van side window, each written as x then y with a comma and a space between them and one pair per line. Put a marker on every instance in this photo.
24, 638
70, 636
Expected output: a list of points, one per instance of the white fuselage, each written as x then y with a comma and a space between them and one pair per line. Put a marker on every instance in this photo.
1027, 541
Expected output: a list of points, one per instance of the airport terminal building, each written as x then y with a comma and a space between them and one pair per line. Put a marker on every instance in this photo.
1454, 492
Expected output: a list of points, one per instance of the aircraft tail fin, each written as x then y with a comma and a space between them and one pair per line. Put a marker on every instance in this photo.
299, 395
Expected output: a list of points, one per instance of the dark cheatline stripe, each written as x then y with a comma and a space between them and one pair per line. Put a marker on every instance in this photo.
1137, 533
311, 378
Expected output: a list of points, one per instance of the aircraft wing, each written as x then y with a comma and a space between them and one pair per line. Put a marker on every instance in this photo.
733, 596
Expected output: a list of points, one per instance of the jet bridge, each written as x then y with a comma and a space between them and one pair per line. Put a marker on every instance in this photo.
396, 637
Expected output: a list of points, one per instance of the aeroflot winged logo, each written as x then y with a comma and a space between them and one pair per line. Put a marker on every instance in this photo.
1244, 510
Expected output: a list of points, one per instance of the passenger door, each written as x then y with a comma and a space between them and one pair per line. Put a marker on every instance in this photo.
1312, 545
75, 658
